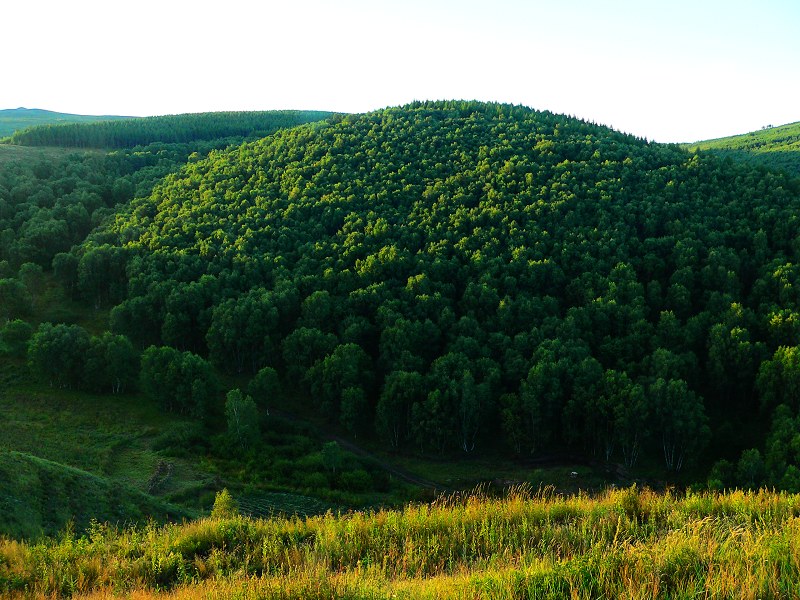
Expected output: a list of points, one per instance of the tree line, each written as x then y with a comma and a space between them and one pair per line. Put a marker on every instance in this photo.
167, 129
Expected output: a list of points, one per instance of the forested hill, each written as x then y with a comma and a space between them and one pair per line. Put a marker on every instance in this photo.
185, 128
452, 276
773, 147
14, 119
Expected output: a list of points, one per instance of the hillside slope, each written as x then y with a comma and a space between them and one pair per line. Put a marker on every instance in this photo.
453, 277
40, 497
623, 544
772, 147
15, 119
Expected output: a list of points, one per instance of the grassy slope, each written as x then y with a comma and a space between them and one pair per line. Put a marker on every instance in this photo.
622, 544
14, 119
11, 154
776, 147
40, 497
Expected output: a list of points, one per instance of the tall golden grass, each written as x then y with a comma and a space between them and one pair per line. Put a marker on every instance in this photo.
625, 543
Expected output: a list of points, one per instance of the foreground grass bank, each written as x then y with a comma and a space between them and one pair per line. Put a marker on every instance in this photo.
625, 543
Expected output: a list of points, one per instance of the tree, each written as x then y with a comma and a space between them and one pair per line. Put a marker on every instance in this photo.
180, 382
401, 390
541, 398
56, 353
512, 422
680, 418
302, 348
347, 366
239, 335
750, 469
101, 274
32, 276
618, 415
225, 507
354, 413
15, 336
733, 360
242, 417
778, 380
332, 456
265, 388
111, 364
65, 270
15, 301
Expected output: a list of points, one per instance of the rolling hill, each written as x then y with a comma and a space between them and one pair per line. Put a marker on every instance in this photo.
772, 147
16, 119
465, 277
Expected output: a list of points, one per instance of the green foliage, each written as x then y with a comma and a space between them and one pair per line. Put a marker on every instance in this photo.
67, 356
243, 419
112, 364
620, 544
265, 388
15, 300
14, 335
679, 416
492, 251
449, 276
179, 382
332, 456
225, 507
354, 411
56, 354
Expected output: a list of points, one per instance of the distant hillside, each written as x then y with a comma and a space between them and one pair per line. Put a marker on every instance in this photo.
774, 147
39, 497
185, 128
15, 119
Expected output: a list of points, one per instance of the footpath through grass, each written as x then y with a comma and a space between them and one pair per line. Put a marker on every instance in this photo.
624, 543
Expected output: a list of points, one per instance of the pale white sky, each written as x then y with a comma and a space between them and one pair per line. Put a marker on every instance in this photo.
671, 70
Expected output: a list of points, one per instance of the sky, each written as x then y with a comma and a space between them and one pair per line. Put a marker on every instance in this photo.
668, 70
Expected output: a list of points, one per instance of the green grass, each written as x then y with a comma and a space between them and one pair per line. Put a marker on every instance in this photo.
773, 147
42, 497
110, 436
10, 154
625, 543
467, 472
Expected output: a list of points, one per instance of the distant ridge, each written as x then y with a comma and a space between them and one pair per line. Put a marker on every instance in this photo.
15, 119
180, 129
771, 147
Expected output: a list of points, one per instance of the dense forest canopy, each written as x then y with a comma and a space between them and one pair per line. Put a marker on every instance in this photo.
171, 129
445, 275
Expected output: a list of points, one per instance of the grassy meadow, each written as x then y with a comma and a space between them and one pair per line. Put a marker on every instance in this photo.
623, 543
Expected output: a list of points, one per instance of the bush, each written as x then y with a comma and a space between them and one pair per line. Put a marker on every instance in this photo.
314, 481
15, 335
356, 481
